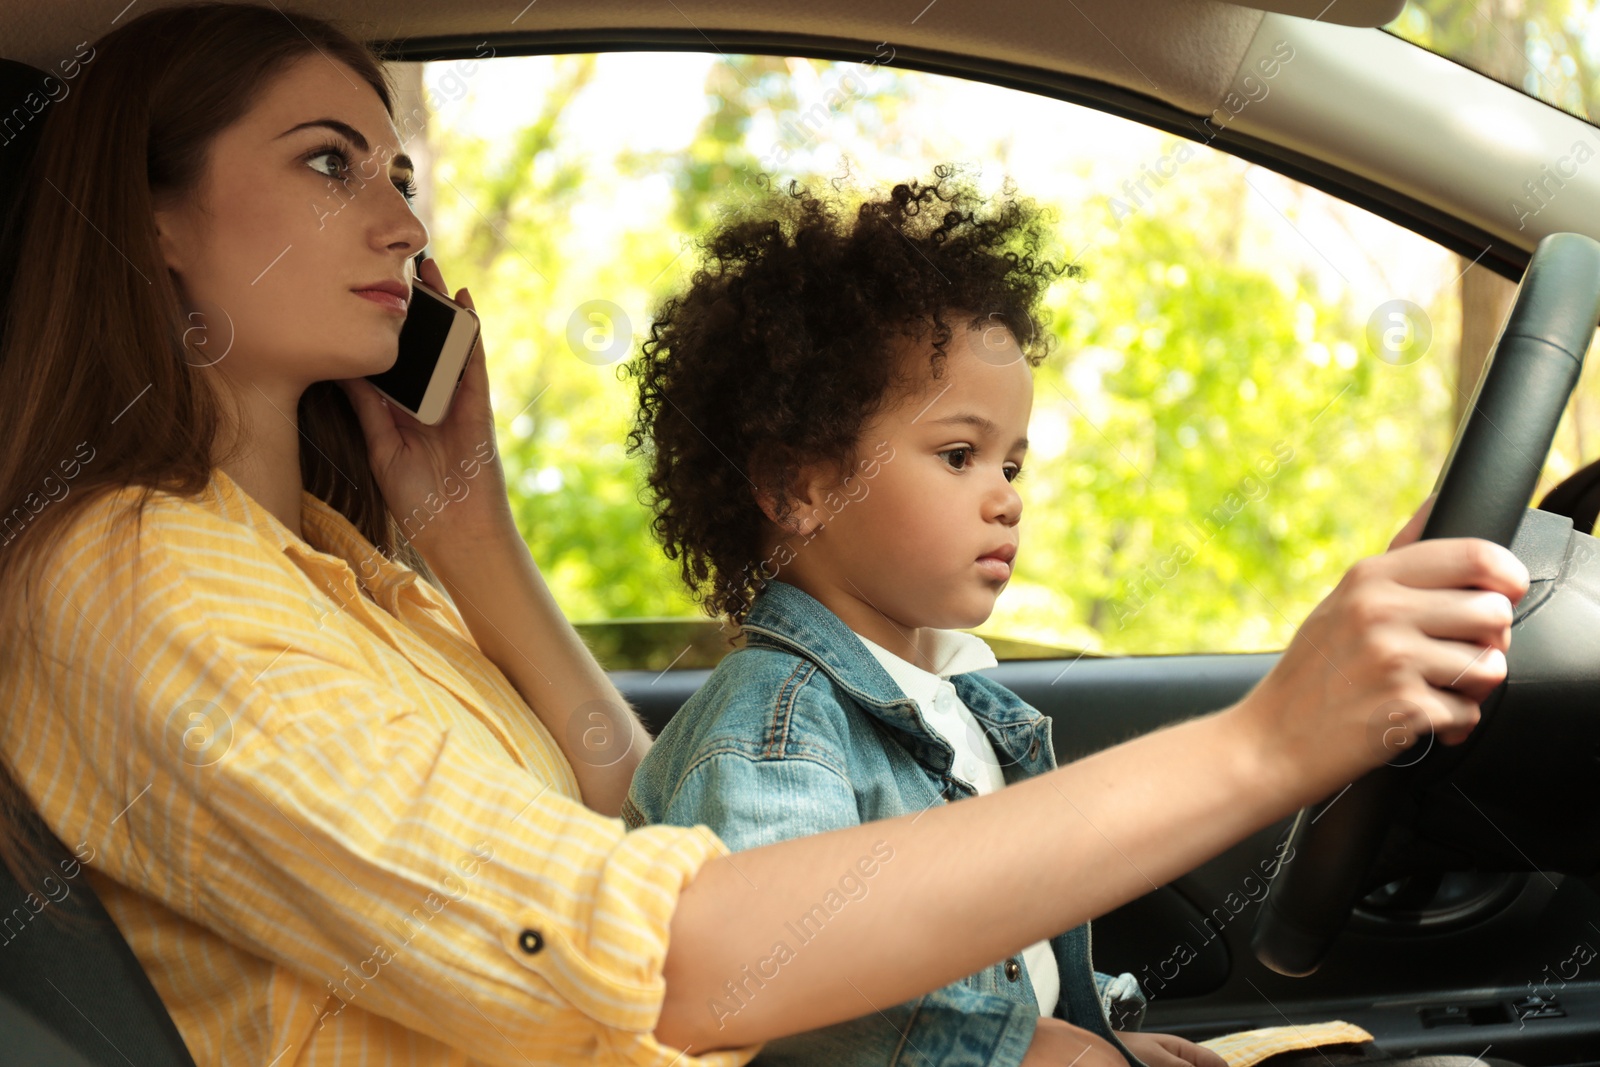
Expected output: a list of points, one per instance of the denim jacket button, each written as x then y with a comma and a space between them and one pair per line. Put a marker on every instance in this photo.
1013, 969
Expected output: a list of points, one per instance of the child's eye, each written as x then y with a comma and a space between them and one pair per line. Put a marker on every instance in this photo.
964, 452
1013, 473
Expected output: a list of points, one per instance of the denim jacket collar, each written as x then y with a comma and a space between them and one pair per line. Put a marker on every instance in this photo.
789, 617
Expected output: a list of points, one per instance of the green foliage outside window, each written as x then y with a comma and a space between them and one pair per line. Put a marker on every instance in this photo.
1218, 440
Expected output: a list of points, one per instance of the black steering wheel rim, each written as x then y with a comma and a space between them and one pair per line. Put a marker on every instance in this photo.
1483, 491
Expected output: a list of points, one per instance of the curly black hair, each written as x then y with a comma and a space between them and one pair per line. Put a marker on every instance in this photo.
778, 352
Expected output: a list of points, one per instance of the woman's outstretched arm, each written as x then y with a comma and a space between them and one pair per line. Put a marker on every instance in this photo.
956, 887
763, 944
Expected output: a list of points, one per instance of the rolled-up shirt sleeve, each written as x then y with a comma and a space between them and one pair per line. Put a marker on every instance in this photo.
249, 770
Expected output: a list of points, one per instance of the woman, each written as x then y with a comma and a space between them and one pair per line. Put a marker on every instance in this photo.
340, 816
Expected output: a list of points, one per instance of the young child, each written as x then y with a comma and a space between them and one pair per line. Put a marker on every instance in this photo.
836, 412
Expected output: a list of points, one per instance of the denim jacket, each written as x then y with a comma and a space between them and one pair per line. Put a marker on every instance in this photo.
801, 731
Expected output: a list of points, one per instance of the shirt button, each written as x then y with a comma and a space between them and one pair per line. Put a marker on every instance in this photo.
531, 941
1013, 970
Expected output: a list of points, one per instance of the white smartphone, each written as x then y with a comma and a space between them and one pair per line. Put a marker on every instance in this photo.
435, 342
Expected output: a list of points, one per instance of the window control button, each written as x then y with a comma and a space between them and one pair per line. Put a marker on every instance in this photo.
1537, 1007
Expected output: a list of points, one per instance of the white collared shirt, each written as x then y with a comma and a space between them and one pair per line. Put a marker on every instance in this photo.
955, 652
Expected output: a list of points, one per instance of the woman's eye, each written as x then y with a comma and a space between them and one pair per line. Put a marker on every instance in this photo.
964, 453
330, 153
406, 185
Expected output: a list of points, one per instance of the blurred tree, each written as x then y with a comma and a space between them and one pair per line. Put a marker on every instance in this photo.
511, 227
717, 160
1234, 447
1543, 48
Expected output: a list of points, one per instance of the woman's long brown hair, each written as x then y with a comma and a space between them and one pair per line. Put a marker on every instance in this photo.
97, 357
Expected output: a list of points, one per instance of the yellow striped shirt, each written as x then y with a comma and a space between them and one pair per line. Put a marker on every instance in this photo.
330, 829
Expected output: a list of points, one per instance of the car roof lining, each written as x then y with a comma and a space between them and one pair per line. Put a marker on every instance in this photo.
1182, 52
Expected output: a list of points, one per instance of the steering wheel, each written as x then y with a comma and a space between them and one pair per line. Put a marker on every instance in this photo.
1483, 490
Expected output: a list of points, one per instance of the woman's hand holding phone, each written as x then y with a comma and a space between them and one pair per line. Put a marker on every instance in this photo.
443, 483
452, 472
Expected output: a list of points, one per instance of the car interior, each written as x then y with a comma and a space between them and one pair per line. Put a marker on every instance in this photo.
1447, 904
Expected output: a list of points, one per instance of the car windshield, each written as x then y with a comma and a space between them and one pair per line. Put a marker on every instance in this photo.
1549, 49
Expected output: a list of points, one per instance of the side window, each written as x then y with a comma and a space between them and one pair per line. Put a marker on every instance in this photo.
1254, 385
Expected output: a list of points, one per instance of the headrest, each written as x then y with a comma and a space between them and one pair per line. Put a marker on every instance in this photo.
24, 104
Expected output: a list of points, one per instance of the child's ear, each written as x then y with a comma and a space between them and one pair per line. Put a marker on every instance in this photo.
802, 521
767, 503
